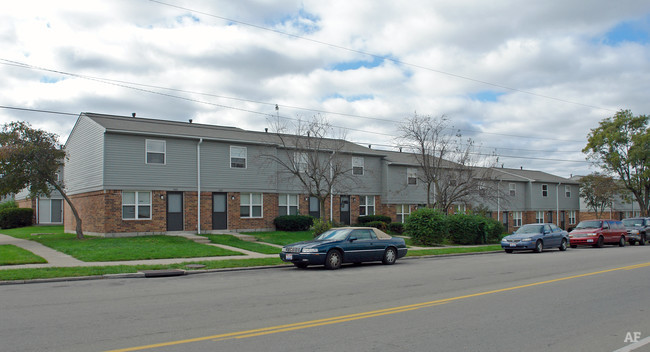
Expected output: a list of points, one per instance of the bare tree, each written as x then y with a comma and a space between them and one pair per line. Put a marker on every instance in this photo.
452, 168
309, 157
599, 192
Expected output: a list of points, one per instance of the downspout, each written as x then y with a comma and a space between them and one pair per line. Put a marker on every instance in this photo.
499, 200
557, 204
198, 183
332, 189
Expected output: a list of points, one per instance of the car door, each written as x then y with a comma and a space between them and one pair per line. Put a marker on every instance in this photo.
607, 232
359, 246
553, 236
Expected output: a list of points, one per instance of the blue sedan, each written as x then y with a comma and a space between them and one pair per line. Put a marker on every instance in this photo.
536, 237
345, 245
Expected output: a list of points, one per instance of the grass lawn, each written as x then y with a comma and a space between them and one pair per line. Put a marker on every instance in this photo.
45, 273
230, 240
99, 249
13, 255
452, 250
281, 237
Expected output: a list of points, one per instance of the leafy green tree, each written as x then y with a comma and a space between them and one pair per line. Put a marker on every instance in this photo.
30, 158
598, 191
621, 145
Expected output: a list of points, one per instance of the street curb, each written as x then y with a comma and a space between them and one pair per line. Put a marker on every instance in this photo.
143, 274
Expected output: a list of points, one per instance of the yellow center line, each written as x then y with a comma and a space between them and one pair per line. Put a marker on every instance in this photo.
365, 315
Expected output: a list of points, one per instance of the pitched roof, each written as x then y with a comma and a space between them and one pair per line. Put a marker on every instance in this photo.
506, 174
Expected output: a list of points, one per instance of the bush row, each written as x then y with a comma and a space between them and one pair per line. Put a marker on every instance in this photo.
430, 227
16, 217
293, 222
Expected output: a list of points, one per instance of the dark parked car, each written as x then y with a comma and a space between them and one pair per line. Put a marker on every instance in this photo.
637, 230
536, 237
597, 233
345, 245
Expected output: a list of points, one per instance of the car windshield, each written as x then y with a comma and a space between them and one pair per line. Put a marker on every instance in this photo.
633, 222
334, 234
592, 224
530, 229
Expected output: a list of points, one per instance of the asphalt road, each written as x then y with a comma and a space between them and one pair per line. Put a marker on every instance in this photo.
584, 299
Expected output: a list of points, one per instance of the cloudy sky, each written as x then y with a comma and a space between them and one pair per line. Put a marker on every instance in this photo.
526, 80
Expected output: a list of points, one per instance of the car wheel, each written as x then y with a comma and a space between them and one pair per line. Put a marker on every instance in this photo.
390, 256
600, 242
621, 242
642, 242
509, 250
563, 245
300, 265
574, 246
539, 246
333, 259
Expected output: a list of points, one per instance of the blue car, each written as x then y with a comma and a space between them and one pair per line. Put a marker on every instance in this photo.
345, 245
536, 237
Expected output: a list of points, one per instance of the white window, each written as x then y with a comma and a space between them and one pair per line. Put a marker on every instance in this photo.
513, 189
136, 205
544, 190
572, 217
516, 217
403, 211
411, 176
357, 165
288, 204
155, 150
300, 160
250, 205
539, 217
567, 191
238, 157
460, 208
366, 205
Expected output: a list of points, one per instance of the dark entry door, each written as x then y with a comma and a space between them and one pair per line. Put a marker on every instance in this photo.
345, 210
219, 211
174, 211
562, 220
314, 207
505, 221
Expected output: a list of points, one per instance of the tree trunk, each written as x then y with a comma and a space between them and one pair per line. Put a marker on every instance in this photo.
80, 234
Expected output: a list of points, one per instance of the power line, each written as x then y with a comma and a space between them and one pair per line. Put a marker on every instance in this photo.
127, 84
376, 56
384, 145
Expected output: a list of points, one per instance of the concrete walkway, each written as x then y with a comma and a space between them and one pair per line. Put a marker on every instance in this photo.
58, 259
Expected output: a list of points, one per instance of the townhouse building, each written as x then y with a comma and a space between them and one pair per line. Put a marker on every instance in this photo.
132, 176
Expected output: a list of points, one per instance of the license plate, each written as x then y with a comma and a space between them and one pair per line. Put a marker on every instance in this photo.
289, 256
513, 245
590, 240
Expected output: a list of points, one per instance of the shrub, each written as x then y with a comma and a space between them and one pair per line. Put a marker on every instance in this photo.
378, 225
426, 226
396, 227
494, 230
363, 220
293, 222
320, 226
8, 205
474, 229
16, 217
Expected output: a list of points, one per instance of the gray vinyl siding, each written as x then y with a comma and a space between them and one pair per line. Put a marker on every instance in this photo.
85, 157
126, 168
260, 174
367, 184
399, 192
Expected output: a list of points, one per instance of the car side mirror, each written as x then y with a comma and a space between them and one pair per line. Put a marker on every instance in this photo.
352, 239
546, 232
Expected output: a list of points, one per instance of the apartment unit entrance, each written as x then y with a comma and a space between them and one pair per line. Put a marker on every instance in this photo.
344, 218
219, 211
174, 211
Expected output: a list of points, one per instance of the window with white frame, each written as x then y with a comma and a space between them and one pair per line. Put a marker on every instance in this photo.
136, 205
366, 205
155, 150
300, 160
544, 190
567, 191
512, 188
539, 217
411, 176
288, 204
572, 217
238, 157
460, 208
250, 205
516, 218
403, 211
357, 165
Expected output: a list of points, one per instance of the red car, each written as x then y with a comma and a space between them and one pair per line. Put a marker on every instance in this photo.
597, 233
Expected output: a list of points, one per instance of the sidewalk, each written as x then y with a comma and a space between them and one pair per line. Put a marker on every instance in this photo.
58, 259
